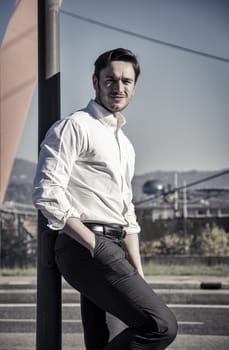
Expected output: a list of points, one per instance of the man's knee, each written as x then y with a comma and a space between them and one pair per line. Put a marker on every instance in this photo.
156, 329
172, 330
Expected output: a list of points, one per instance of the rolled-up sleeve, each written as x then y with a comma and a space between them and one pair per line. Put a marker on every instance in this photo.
130, 216
59, 150
133, 226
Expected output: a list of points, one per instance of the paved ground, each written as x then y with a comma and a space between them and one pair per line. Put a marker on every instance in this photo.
196, 320
179, 281
74, 342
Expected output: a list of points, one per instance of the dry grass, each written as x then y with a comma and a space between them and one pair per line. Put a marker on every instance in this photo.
189, 270
149, 269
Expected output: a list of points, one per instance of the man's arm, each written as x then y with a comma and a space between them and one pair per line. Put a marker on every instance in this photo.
59, 151
78, 231
132, 245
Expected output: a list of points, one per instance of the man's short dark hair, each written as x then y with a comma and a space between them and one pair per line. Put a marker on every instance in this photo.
117, 55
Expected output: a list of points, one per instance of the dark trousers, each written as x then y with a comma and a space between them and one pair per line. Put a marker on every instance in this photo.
109, 283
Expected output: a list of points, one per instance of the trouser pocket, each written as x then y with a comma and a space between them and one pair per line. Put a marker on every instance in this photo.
110, 257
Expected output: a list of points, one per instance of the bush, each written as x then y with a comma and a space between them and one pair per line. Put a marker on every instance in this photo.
173, 244
149, 248
211, 241
169, 244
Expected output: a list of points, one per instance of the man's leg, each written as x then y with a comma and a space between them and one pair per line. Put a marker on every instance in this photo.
110, 282
96, 332
99, 326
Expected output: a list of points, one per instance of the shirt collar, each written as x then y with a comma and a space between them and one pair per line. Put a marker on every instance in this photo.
104, 116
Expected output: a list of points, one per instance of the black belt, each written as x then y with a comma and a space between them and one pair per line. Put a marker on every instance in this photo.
113, 231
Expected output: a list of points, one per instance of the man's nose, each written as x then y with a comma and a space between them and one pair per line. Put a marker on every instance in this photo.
118, 86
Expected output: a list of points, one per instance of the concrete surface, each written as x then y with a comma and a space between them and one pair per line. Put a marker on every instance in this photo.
206, 290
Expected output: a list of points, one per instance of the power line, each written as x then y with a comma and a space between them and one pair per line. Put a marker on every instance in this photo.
144, 37
176, 189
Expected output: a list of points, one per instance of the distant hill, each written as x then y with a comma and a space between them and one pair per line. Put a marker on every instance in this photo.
167, 179
21, 180
23, 172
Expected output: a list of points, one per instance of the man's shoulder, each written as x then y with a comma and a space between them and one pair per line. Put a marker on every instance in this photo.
79, 117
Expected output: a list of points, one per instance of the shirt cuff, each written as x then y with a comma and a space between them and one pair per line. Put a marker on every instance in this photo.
132, 230
59, 222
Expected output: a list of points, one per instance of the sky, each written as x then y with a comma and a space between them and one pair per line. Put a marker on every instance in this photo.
179, 116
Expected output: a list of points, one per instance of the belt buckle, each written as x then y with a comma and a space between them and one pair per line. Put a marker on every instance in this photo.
106, 232
123, 233
120, 234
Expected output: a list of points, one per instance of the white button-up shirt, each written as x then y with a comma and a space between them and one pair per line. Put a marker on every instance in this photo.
85, 169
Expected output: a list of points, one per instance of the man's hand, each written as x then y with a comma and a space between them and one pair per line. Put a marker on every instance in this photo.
132, 245
78, 231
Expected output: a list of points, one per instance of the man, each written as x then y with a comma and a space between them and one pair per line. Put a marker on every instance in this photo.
83, 187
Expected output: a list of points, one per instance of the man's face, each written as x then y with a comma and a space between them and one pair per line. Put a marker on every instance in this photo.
116, 85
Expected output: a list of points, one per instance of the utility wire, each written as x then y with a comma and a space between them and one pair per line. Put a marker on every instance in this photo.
144, 37
176, 189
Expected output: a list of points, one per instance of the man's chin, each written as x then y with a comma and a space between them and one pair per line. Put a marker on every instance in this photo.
114, 107
117, 107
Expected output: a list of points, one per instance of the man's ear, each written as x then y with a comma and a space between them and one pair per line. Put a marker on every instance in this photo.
95, 82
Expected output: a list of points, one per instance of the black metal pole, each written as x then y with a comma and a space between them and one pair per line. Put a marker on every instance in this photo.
48, 332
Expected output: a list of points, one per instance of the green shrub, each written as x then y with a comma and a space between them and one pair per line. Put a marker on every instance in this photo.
150, 247
168, 245
173, 244
210, 241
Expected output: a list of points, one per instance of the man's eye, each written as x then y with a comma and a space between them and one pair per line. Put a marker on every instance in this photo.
126, 82
109, 82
